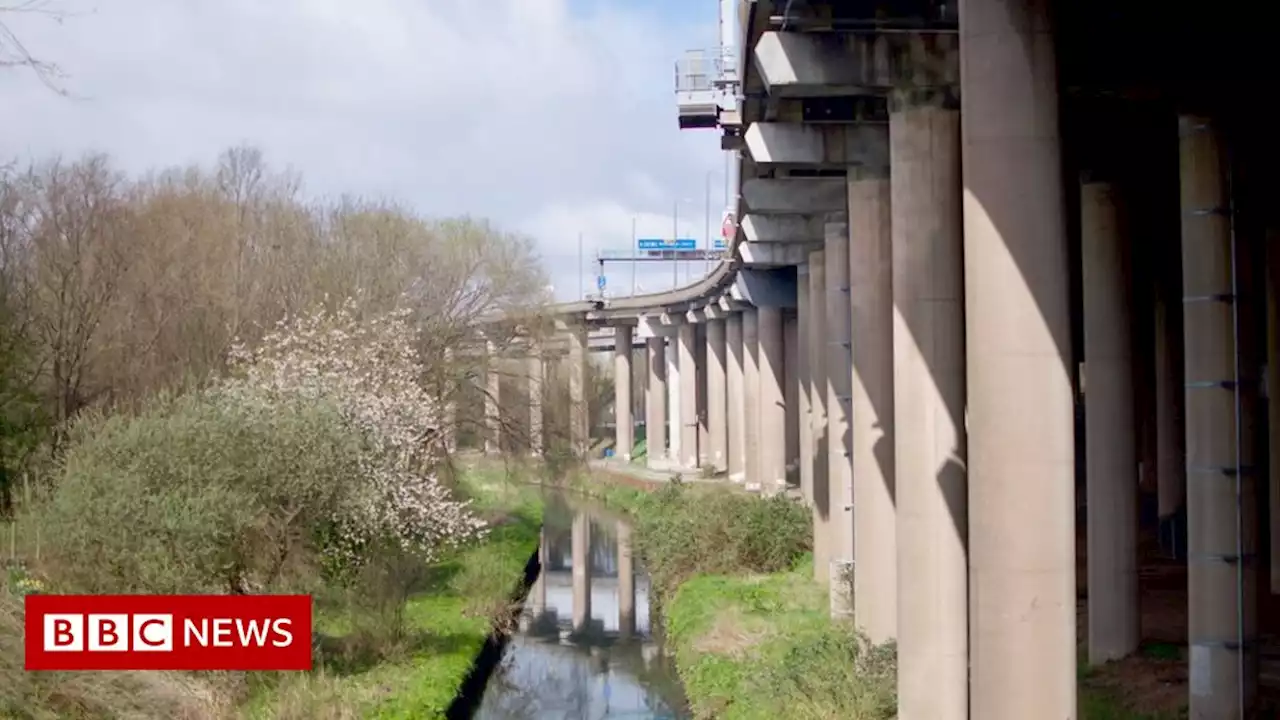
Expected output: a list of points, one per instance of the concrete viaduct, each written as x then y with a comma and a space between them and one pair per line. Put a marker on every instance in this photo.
1002, 303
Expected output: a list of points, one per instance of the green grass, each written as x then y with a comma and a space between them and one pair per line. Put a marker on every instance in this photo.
446, 624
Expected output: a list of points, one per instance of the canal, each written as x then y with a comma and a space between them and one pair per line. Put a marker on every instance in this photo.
588, 646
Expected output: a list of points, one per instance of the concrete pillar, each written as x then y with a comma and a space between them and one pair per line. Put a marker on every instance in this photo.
688, 344
1273, 405
1221, 527
818, 415
675, 425
804, 314
656, 410
751, 398
626, 582
580, 542
875, 542
929, 400
579, 413
492, 416
737, 392
1111, 463
624, 440
1021, 419
1171, 465
717, 401
839, 348
449, 406
773, 416
536, 388
791, 396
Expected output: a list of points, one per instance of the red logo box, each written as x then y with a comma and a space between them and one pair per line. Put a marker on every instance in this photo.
168, 632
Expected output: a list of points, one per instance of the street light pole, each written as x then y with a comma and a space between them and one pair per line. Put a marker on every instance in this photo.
675, 237
634, 253
582, 273
706, 231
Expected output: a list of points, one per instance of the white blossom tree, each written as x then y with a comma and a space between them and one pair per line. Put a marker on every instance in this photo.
369, 368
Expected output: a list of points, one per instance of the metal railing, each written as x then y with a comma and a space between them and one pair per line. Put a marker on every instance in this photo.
705, 71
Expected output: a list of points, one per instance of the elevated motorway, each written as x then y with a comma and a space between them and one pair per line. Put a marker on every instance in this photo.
949, 212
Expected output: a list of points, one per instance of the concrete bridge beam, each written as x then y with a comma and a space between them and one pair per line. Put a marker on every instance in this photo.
799, 229
795, 64
793, 196
762, 255
929, 402
1018, 344
780, 144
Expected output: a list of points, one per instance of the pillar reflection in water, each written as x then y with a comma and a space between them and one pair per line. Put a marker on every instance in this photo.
626, 583
581, 540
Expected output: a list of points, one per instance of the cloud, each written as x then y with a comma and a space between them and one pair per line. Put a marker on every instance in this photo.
546, 116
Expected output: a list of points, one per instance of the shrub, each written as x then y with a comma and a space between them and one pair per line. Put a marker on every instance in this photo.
836, 674
684, 531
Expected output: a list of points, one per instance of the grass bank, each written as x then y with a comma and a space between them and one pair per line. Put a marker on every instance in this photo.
446, 622
751, 631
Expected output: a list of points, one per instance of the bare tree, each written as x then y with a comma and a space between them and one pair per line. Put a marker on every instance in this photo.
14, 53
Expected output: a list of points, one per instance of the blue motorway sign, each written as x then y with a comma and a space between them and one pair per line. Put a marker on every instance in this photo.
663, 244
600, 282
720, 245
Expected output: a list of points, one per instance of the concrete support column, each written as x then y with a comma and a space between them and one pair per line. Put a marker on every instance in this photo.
737, 421
1171, 465
804, 319
656, 410
1221, 525
751, 398
791, 396
449, 405
580, 549
875, 542
624, 440
839, 349
1021, 420
717, 401
1111, 461
700, 393
536, 389
538, 593
579, 413
626, 582
1273, 405
492, 385
688, 344
773, 415
818, 415
675, 424
929, 401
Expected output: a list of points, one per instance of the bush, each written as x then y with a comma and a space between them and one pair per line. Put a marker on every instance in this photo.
197, 494
683, 531
837, 674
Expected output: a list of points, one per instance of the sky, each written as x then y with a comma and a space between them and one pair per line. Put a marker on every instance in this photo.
553, 118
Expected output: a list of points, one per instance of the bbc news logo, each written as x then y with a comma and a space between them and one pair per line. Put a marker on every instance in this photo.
168, 632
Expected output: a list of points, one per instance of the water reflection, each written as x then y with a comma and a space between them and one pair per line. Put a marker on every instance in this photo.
585, 649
